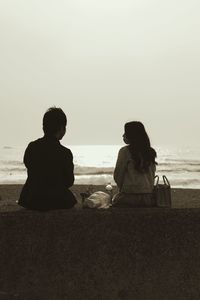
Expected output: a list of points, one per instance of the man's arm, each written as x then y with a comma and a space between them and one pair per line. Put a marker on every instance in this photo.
68, 169
27, 156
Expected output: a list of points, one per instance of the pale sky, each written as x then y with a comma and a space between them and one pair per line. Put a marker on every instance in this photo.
104, 63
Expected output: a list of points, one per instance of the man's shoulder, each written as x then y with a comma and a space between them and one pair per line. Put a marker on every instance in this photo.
41, 142
35, 142
66, 150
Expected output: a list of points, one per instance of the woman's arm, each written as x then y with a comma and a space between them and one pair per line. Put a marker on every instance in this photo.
120, 167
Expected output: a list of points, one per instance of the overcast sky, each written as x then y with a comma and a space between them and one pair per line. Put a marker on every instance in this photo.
104, 63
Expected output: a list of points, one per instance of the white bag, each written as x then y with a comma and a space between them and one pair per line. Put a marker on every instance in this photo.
98, 200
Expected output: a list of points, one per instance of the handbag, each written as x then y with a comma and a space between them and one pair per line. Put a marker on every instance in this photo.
162, 192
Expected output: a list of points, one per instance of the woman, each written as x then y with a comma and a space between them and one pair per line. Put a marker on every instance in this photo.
135, 168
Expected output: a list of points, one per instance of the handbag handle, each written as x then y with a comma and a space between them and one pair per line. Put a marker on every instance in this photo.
156, 180
165, 180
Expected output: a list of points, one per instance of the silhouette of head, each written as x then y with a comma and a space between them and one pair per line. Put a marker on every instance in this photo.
135, 134
54, 122
139, 145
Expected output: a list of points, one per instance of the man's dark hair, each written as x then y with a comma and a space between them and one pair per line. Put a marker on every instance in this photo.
53, 120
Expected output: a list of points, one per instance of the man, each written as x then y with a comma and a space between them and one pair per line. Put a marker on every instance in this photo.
49, 166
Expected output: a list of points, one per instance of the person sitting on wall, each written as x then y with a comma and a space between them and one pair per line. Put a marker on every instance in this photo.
135, 169
49, 166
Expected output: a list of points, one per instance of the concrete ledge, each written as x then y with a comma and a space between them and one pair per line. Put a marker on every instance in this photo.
115, 254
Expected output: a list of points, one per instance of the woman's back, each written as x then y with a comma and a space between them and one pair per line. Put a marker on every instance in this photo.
128, 178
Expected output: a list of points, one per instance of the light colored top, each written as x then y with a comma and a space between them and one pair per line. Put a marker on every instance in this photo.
128, 179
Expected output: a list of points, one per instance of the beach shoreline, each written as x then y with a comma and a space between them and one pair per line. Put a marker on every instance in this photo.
181, 198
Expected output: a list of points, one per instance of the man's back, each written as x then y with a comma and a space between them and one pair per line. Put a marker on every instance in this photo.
50, 174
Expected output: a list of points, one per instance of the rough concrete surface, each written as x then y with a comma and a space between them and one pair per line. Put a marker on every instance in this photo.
140, 254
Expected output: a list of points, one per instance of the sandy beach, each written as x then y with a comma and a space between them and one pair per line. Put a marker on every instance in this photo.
181, 198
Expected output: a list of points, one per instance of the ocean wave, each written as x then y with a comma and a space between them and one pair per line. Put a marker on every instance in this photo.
103, 179
185, 182
11, 163
189, 162
178, 170
80, 170
85, 170
7, 147
16, 170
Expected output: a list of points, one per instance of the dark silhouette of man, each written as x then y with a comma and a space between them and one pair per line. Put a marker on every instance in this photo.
49, 166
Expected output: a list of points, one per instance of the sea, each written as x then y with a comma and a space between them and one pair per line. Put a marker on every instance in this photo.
94, 164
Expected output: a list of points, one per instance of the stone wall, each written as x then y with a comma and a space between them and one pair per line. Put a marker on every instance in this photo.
137, 254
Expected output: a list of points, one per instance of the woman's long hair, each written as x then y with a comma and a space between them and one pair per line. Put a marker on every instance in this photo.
139, 146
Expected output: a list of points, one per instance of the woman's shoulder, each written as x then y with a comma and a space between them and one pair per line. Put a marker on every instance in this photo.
124, 150
124, 153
